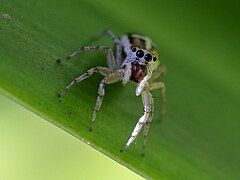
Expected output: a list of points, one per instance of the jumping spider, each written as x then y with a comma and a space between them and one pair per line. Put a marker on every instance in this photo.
135, 59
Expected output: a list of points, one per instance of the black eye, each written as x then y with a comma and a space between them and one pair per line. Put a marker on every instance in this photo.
140, 53
134, 49
154, 58
148, 57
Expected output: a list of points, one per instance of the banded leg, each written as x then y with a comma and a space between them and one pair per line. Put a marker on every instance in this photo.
102, 70
161, 86
115, 76
146, 117
90, 48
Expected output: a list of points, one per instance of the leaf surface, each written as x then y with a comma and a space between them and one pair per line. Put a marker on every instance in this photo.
199, 44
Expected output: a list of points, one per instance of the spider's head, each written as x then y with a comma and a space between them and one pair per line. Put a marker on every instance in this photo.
142, 57
142, 63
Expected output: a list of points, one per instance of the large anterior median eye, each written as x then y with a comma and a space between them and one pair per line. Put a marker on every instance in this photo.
140, 53
148, 57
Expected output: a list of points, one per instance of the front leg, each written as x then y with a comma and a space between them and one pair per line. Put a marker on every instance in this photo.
111, 61
90, 48
142, 84
145, 119
99, 69
109, 34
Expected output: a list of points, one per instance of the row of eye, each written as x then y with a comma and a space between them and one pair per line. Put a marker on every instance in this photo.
140, 53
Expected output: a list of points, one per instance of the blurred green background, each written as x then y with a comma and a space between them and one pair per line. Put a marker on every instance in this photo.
31, 148
199, 42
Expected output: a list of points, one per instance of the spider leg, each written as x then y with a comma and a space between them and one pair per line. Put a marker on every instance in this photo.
146, 118
145, 133
161, 86
89, 48
113, 63
111, 60
115, 76
159, 71
110, 34
127, 73
142, 84
102, 70
101, 93
107, 33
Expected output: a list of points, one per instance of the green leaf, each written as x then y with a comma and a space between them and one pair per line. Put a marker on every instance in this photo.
199, 44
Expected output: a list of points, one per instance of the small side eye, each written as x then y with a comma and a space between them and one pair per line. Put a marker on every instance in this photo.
148, 57
134, 49
140, 53
154, 58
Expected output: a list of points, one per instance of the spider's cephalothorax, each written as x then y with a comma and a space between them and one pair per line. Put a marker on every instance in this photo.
134, 59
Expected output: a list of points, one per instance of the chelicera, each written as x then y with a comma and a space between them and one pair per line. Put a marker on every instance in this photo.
134, 59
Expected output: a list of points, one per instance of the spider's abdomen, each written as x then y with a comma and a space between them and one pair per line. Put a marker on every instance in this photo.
138, 72
140, 41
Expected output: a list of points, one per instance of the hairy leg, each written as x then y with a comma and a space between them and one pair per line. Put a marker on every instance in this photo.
109, 34
127, 73
161, 86
111, 60
142, 84
102, 70
89, 48
115, 76
113, 63
146, 117
160, 71
145, 134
